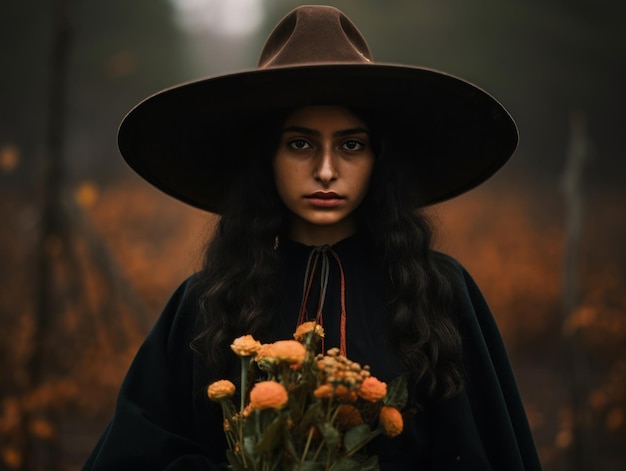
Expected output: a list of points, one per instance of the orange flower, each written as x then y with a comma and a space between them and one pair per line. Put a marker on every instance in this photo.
307, 327
290, 351
372, 389
391, 421
348, 416
246, 346
345, 394
265, 353
221, 389
247, 411
324, 391
268, 395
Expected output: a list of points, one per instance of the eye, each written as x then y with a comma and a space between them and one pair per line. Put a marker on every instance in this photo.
298, 144
352, 145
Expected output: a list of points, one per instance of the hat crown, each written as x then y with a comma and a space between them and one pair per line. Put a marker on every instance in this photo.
312, 35
180, 139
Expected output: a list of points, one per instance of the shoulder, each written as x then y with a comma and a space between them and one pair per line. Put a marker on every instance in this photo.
186, 292
184, 299
465, 289
450, 267
176, 323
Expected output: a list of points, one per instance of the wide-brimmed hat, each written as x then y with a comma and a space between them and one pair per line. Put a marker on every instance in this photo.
184, 140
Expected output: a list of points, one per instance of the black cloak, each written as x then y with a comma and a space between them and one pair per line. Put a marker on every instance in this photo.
164, 421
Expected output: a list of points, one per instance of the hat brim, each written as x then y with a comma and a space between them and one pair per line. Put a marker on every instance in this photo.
174, 139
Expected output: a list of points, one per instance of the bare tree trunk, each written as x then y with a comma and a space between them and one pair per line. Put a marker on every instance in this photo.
60, 284
53, 230
574, 350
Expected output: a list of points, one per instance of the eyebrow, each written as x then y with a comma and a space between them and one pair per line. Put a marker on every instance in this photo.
314, 132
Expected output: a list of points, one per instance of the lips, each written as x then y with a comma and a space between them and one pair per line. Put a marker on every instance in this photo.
325, 195
325, 199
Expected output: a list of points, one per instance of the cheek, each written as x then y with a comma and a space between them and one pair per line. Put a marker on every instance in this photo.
365, 176
277, 170
283, 177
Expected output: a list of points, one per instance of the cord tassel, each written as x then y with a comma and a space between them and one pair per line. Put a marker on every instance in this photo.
344, 316
324, 264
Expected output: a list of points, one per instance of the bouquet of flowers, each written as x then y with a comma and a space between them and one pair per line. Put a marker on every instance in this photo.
310, 412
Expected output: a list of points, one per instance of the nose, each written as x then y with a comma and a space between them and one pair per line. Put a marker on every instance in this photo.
326, 170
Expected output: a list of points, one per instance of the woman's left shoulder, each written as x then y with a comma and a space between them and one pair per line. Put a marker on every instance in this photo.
463, 285
449, 266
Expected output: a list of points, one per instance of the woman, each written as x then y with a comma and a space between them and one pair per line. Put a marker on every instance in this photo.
318, 161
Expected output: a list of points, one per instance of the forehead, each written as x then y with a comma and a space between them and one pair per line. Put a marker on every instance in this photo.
324, 116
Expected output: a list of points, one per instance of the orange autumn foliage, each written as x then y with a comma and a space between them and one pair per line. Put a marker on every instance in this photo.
514, 255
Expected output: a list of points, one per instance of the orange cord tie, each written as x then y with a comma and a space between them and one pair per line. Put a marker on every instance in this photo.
311, 268
343, 318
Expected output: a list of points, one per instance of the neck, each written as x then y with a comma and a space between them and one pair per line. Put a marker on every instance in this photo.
317, 235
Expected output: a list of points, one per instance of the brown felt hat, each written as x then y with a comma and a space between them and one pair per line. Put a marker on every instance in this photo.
316, 56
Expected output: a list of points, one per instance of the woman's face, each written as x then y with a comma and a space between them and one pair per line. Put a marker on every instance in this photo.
322, 170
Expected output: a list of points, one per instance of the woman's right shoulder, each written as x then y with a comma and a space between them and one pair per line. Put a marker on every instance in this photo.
182, 307
187, 293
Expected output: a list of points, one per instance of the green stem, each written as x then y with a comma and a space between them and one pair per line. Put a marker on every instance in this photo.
364, 442
306, 447
228, 417
332, 420
319, 449
245, 363
329, 409
328, 461
259, 425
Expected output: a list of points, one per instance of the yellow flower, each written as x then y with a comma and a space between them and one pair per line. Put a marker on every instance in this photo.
246, 346
372, 389
307, 327
391, 421
290, 351
221, 389
268, 395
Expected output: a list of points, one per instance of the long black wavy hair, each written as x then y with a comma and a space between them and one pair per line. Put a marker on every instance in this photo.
241, 273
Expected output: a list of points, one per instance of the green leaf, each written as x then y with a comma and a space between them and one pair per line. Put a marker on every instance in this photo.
298, 398
310, 466
397, 393
346, 464
251, 424
271, 437
331, 435
234, 461
249, 445
370, 464
310, 417
288, 445
356, 437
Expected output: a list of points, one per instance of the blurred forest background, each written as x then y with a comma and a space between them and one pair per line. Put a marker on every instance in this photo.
90, 253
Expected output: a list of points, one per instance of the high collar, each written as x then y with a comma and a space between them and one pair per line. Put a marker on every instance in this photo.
350, 245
